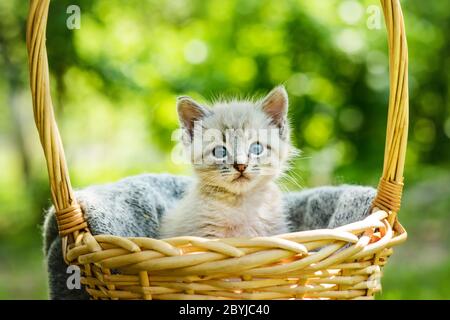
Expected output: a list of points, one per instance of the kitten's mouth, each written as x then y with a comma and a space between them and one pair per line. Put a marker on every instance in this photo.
242, 177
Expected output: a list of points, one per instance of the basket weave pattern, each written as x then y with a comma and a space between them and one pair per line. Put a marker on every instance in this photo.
341, 263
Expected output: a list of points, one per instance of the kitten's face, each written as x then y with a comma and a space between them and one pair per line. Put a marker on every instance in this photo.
237, 145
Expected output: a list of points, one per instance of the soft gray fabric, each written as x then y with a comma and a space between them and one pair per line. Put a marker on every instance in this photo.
134, 206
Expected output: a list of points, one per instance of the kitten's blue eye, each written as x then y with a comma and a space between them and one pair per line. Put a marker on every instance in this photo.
256, 148
219, 152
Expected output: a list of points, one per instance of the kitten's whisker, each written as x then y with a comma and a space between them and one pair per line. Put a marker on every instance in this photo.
298, 176
283, 188
287, 178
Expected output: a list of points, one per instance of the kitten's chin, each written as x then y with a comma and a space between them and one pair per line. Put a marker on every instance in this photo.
239, 187
242, 183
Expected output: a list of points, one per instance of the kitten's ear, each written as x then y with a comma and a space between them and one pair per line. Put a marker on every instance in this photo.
275, 105
190, 111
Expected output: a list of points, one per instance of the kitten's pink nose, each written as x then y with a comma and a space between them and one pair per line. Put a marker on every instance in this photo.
240, 167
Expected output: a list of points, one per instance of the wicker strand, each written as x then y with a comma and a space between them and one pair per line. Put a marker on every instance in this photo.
391, 183
69, 216
70, 219
389, 196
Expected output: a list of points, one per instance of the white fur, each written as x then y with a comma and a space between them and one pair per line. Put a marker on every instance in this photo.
250, 214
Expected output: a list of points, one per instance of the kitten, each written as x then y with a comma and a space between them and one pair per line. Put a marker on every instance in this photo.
238, 149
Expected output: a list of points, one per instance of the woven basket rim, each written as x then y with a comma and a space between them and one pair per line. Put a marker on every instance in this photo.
350, 233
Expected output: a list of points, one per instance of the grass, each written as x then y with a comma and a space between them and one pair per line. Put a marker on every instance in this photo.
412, 281
22, 270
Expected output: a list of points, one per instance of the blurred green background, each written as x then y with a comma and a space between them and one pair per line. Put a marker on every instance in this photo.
116, 78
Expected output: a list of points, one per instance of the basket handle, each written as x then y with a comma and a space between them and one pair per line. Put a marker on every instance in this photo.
68, 213
391, 183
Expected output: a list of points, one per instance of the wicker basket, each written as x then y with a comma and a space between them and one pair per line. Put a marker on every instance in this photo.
342, 263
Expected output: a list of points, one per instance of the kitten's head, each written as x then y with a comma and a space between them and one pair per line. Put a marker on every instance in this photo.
237, 145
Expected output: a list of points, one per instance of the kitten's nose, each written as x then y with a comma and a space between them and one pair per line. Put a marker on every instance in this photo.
240, 167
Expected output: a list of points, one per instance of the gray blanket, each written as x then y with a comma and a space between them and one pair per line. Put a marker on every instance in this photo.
134, 206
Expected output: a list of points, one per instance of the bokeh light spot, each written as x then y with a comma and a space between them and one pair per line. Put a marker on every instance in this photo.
424, 131
318, 130
351, 119
242, 70
196, 51
298, 84
447, 127
350, 11
350, 41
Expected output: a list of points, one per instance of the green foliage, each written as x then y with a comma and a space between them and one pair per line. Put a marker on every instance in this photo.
115, 82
